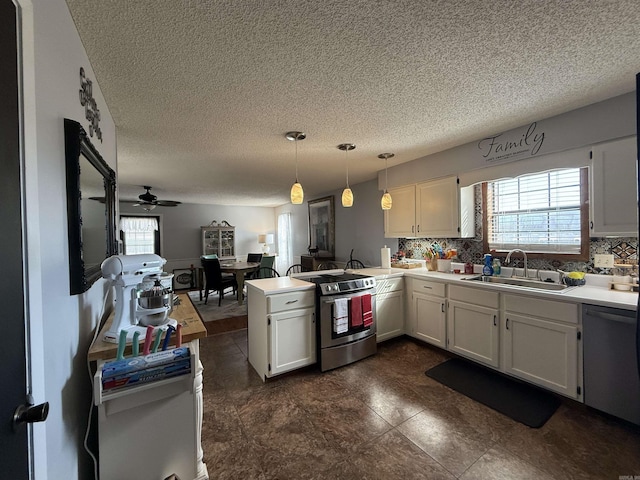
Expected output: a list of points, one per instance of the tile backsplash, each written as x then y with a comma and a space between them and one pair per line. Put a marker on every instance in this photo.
624, 250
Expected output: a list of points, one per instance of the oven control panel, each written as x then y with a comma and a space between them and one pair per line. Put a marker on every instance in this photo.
345, 286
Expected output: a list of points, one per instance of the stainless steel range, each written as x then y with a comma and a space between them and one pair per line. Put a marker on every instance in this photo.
345, 307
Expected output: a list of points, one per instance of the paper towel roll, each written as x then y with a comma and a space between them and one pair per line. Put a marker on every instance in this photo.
385, 257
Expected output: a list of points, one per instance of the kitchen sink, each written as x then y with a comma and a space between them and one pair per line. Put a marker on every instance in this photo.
520, 282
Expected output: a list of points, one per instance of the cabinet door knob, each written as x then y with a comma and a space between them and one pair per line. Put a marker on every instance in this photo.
507, 324
494, 321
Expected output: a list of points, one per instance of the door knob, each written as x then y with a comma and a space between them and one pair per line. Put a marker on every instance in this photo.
30, 413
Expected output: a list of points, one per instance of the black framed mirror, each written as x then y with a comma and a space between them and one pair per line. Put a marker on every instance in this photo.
91, 224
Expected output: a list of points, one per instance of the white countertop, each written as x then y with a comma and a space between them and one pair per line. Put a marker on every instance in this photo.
269, 286
598, 294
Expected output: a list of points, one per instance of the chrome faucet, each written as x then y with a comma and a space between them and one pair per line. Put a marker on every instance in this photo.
508, 259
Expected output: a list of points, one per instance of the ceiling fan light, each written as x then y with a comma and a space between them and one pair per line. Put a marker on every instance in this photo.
297, 194
149, 207
347, 197
385, 201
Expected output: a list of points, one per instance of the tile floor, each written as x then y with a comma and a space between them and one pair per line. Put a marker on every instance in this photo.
382, 418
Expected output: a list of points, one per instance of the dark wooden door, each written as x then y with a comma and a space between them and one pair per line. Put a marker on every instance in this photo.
14, 443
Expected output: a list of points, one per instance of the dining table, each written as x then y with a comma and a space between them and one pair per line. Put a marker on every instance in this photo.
239, 269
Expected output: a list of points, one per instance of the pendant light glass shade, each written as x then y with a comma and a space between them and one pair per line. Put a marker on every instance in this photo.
347, 197
297, 194
347, 194
386, 202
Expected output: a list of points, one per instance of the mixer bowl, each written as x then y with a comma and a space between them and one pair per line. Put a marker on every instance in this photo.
152, 303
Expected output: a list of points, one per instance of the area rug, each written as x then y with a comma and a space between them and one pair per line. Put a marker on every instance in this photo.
520, 401
219, 319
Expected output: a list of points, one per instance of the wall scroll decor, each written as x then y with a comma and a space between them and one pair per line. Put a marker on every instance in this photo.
223, 223
91, 111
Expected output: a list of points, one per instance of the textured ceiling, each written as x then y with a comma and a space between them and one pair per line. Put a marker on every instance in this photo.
202, 92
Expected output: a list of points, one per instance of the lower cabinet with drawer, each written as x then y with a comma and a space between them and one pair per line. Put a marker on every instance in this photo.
281, 331
473, 324
427, 317
540, 343
389, 308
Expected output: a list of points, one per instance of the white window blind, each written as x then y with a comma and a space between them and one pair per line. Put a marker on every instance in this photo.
536, 213
285, 254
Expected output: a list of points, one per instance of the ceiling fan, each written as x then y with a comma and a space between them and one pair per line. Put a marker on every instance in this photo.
149, 201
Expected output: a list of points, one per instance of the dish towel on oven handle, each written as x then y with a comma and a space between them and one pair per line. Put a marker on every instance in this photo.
341, 315
367, 313
355, 319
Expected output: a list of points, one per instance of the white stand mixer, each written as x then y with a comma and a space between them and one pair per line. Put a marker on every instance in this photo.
127, 272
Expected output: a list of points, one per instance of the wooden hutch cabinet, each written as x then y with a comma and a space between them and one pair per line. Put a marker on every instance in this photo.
219, 240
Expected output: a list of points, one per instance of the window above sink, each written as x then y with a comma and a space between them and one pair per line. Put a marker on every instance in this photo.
545, 214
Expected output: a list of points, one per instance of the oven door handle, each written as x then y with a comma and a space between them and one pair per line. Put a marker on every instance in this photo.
332, 299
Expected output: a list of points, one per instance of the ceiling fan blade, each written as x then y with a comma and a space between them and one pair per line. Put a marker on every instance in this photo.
167, 203
97, 199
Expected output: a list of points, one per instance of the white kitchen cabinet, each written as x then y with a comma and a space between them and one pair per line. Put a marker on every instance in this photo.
435, 209
399, 222
473, 324
281, 331
389, 308
427, 320
613, 189
541, 343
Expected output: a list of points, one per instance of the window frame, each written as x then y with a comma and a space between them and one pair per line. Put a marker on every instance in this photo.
157, 244
564, 257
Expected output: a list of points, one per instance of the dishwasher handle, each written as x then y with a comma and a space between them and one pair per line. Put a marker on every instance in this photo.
629, 318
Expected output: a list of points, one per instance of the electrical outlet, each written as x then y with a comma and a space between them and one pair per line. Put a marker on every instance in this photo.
603, 261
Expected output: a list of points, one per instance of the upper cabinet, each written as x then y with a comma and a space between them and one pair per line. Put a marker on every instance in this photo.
220, 241
435, 209
614, 189
399, 222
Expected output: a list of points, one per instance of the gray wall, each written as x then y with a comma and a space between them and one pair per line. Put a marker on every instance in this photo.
599, 122
181, 240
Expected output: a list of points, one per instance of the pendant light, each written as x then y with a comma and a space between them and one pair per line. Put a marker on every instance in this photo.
297, 194
385, 201
347, 194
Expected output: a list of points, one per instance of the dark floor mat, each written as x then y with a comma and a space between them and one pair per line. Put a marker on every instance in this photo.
517, 400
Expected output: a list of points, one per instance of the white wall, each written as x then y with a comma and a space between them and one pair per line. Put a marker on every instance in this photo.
61, 325
299, 228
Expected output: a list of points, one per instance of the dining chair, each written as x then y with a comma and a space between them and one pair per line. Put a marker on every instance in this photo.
267, 262
355, 264
214, 281
265, 272
254, 257
295, 268
327, 266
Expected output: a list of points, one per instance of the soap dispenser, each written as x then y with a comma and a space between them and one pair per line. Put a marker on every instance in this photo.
487, 269
497, 268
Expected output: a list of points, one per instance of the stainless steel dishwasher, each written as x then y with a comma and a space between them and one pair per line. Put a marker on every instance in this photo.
611, 379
